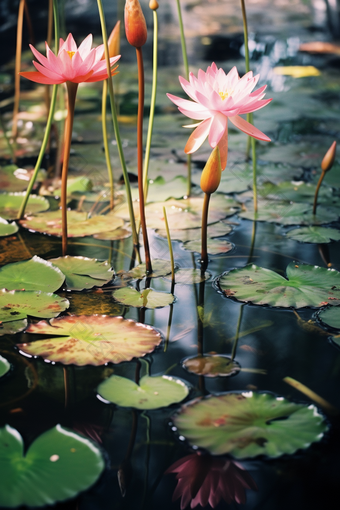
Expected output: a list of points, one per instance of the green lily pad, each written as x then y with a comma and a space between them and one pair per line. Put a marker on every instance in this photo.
57, 466
9, 181
305, 286
314, 234
18, 304
33, 274
10, 204
12, 327
211, 365
7, 229
147, 298
5, 366
330, 317
82, 272
218, 229
160, 190
287, 213
80, 184
151, 393
160, 267
250, 424
295, 191
114, 235
215, 246
190, 276
78, 224
91, 340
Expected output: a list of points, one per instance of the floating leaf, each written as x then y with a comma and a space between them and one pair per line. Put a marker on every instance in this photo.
330, 317
190, 276
159, 268
295, 191
250, 424
7, 229
91, 340
305, 286
79, 184
18, 304
57, 466
78, 224
12, 327
10, 204
218, 229
314, 234
34, 274
151, 393
114, 235
82, 272
147, 298
215, 246
161, 190
211, 365
9, 181
5, 366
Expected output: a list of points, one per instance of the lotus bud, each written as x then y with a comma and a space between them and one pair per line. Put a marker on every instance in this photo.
211, 175
135, 24
114, 41
329, 158
153, 4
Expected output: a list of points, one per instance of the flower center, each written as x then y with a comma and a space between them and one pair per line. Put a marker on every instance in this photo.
224, 94
71, 53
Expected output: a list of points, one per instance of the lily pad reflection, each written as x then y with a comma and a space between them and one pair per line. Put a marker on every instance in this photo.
211, 365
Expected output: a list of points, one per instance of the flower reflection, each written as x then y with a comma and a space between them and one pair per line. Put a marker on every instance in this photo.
206, 480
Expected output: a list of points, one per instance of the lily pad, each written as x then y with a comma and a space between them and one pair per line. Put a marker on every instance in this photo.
80, 184
314, 234
160, 267
57, 466
330, 317
82, 272
295, 191
218, 229
147, 298
34, 274
211, 365
12, 327
215, 246
249, 424
10, 204
5, 366
114, 235
190, 276
151, 393
91, 340
9, 181
7, 229
160, 190
78, 224
305, 286
18, 304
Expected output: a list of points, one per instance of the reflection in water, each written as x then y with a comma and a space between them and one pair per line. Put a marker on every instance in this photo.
206, 480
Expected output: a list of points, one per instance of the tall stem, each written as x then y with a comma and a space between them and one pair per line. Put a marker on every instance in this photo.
140, 157
317, 192
71, 96
204, 249
106, 145
116, 126
17, 68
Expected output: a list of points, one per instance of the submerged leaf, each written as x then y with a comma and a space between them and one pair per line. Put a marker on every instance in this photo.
147, 298
249, 424
57, 466
160, 267
150, 393
91, 340
211, 365
305, 286
82, 272
33, 274
18, 304
215, 246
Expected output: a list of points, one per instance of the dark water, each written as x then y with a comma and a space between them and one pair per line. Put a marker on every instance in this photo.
273, 344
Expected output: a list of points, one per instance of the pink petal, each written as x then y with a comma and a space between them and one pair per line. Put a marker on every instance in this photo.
188, 88
253, 107
248, 128
223, 146
40, 78
49, 74
54, 62
43, 60
197, 137
85, 47
217, 129
68, 72
70, 44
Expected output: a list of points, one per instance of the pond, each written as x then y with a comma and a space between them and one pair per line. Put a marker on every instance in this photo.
218, 389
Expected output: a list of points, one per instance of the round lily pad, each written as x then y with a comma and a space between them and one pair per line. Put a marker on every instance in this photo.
10, 204
151, 393
5, 366
78, 223
7, 229
211, 365
147, 298
161, 190
314, 234
215, 246
18, 304
12, 327
91, 340
9, 180
218, 229
249, 424
114, 235
330, 317
57, 466
160, 267
82, 272
190, 276
305, 286
33, 274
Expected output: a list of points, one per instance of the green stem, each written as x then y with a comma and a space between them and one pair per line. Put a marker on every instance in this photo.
106, 145
170, 246
140, 66
71, 96
152, 105
317, 192
237, 334
116, 126
249, 115
49, 120
204, 249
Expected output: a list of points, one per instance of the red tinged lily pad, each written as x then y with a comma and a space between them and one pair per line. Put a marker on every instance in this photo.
91, 340
18, 304
211, 365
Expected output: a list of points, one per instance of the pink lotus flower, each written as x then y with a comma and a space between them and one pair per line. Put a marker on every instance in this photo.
218, 97
205, 480
72, 64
